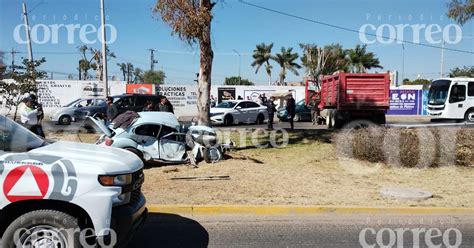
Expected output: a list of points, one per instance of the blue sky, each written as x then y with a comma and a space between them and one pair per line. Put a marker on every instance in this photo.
236, 27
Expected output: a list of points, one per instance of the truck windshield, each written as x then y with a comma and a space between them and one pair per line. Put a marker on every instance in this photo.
438, 92
15, 138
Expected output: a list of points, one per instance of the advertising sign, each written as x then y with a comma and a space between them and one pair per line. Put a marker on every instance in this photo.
405, 102
147, 89
253, 95
182, 97
93, 89
225, 93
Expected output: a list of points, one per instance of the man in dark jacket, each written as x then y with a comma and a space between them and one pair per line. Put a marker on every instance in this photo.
271, 109
291, 109
111, 111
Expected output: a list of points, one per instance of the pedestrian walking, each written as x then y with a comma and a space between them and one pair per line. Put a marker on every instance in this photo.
291, 109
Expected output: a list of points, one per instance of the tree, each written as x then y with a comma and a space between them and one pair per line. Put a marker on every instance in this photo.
461, 10
337, 59
466, 71
85, 64
420, 81
262, 55
138, 75
286, 59
154, 77
123, 69
361, 60
129, 72
237, 81
314, 60
191, 21
98, 65
24, 77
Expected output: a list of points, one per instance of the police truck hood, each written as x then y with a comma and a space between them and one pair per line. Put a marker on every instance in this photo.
112, 160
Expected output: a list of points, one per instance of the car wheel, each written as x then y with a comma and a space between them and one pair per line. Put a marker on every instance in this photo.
136, 152
212, 155
469, 116
297, 118
65, 120
228, 120
260, 119
46, 228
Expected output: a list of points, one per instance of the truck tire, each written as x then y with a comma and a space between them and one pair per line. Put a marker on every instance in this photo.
48, 227
329, 121
337, 121
380, 119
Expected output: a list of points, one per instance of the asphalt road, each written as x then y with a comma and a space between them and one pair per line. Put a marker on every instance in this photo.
166, 230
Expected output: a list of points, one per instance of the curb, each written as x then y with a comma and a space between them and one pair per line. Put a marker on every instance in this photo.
297, 210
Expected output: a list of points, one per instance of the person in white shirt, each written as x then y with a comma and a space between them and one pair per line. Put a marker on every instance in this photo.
29, 116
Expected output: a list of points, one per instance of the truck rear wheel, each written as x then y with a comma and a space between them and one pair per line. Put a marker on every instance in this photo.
329, 119
43, 228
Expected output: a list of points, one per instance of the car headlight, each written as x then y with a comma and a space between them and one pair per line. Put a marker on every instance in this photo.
118, 180
216, 114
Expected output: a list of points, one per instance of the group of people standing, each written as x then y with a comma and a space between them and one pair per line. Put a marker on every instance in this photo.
271, 109
163, 106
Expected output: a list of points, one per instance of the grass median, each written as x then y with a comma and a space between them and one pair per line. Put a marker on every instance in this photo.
308, 171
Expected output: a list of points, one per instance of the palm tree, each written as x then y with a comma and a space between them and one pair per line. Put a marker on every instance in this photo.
138, 75
361, 60
129, 72
262, 55
123, 69
286, 59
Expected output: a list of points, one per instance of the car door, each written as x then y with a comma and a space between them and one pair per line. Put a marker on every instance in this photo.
457, 101
145, 135
171, 148
239, 113
253, 109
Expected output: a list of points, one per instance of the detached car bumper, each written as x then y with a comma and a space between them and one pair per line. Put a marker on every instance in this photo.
127, 219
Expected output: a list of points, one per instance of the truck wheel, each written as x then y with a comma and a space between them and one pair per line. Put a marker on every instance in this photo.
65, 120
469, 116
337, 122
43, 228
329, 119
380, 119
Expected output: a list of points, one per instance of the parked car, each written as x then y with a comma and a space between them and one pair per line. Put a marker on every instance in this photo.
303, 113
235, 112
159, 137
65, 114
134, 102
52, 187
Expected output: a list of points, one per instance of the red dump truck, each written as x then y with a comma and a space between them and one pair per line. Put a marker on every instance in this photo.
350, 96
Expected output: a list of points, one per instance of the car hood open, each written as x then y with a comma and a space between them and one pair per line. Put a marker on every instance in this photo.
101, 125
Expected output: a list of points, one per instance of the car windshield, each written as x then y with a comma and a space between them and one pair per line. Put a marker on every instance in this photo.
72, 103
226, 105
438, 92
16, 138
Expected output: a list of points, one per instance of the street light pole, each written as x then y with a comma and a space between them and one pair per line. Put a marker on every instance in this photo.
240, 62
27, 30
403, 63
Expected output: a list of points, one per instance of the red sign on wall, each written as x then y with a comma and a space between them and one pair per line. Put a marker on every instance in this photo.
147, 89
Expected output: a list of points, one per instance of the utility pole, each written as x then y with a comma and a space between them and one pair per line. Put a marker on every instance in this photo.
403, 63
13, 52
240, 62
153, 61
442, 59
27, 31
104, 49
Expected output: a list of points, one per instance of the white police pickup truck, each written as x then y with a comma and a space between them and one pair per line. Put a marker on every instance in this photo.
66, 194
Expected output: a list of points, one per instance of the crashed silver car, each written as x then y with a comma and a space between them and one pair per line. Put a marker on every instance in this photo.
159, 137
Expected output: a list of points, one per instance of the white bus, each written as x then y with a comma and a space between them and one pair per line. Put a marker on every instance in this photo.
452, 98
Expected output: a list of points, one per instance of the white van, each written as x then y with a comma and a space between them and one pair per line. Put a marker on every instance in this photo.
452, 98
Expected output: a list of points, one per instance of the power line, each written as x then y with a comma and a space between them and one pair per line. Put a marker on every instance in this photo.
349, 29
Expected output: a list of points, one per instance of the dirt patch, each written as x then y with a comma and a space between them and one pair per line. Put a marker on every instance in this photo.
309, 174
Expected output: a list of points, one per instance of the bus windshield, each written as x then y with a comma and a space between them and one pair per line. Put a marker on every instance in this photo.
438, 92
